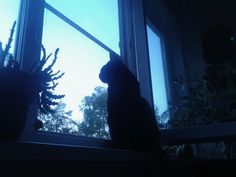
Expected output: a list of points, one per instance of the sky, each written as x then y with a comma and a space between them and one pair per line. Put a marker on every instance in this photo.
157, 70
80, 58
8, 14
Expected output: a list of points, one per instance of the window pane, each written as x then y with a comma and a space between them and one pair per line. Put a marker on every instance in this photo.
157, 75
99, 18
81, 60
8, 14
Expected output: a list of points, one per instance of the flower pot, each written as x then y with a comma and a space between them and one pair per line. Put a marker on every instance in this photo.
16, 94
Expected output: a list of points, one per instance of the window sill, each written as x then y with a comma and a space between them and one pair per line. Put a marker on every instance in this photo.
21, 150
40, 159
199, 134
64, 139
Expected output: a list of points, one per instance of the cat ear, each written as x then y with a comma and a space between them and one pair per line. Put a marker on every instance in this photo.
114, 56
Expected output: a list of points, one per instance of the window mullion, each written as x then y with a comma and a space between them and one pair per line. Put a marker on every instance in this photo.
30, 41
30, 28
141, 52
127, 35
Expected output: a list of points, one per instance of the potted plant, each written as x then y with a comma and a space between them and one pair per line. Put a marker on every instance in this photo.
19, 88
211, 98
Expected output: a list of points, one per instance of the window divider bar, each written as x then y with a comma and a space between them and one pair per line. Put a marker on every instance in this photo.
77, 27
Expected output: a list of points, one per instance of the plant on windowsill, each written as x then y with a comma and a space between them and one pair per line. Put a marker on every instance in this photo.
211, 99
20, 88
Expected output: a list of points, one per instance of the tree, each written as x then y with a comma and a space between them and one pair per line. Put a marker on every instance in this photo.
59, 121
94, 123
94, 108
162, 118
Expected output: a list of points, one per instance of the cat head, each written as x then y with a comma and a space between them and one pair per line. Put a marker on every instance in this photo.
116, 74
114, 71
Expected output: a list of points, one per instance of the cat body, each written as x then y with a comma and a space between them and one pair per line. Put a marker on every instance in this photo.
131, 120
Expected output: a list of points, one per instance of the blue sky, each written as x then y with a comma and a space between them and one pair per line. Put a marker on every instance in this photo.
80, 58
98, 17
8, 14
157, 70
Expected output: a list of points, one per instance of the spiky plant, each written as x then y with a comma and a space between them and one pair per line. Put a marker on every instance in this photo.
4, 53
46, 80
43, 79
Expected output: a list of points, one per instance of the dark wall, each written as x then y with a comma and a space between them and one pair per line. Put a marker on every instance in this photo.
193, 18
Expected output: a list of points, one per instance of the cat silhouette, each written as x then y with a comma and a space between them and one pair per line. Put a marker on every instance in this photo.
131, 120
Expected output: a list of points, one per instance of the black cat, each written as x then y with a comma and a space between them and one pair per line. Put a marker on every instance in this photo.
131, 120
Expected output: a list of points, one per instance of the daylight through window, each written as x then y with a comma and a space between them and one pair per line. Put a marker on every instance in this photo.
157, 76
83, 109
8, 14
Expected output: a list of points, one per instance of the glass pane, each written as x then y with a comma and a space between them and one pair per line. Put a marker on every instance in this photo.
81, 60
8, 14
99, 18
157, 76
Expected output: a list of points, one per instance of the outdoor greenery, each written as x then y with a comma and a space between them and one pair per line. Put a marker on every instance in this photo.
210, 99
6, 59
94, 108
59, 121
93, 123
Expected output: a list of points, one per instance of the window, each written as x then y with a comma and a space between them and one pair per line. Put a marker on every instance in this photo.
85, 38
89, 37
157, 67
81, 30
193, 115
99, 18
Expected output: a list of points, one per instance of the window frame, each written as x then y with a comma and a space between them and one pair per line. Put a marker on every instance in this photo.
27, 21
132, 39
185, 135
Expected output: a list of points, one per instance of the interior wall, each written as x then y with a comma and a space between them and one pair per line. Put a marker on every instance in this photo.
189, 19
190, 31
194, 18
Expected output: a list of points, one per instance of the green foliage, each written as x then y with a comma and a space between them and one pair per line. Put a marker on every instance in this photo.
46, 79
161, 118
210, 99
59, 121
94, 107
93, 124
42, 79
6, 58
4, 53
